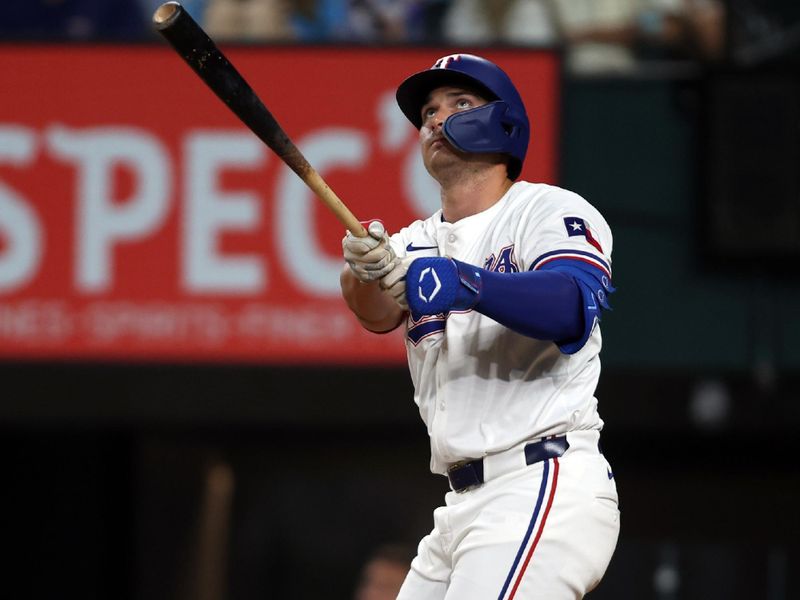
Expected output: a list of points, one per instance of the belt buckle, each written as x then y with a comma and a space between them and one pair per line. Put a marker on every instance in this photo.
459, 464
467, 462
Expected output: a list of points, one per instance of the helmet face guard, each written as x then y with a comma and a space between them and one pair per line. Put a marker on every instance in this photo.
487, 128
500, 126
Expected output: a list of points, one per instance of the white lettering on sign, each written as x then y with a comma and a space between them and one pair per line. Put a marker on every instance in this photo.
209, 212
205, 325
206, 212
300, 326
111, 322
19, 226
101, 222
49, 321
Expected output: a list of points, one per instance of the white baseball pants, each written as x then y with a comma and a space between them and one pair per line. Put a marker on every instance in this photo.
542, 532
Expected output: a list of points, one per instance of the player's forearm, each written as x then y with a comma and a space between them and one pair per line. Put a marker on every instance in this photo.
542, 305
375, 309
560, 304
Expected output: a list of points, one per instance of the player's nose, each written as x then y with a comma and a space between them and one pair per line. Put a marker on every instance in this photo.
436, 121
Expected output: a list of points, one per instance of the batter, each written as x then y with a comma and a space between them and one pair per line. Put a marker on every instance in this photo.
501, 293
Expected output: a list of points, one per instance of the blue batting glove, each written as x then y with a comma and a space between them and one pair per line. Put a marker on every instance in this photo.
438, 285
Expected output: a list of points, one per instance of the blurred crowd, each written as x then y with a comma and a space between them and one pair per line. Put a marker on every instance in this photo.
596, 34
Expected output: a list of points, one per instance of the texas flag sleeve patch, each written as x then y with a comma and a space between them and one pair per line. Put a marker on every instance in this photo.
577, 226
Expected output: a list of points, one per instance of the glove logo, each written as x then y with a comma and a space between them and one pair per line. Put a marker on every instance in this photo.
437, 285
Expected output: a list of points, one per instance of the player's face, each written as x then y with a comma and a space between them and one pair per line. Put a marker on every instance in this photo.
443, 102
445, 163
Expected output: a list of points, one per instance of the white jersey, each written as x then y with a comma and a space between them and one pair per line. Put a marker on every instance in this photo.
480, 387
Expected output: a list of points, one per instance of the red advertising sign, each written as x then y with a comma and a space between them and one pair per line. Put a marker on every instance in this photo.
140, 220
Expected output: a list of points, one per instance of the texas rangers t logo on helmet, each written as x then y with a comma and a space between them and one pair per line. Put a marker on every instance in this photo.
443, 62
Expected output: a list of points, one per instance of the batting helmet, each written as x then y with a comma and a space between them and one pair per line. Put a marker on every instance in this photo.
499, 126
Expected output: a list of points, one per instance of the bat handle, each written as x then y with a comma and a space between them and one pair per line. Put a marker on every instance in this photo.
314, 181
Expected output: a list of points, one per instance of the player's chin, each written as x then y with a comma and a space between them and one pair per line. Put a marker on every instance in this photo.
439, 160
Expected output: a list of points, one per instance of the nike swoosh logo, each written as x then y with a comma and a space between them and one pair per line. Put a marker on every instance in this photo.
412, 248
610, 475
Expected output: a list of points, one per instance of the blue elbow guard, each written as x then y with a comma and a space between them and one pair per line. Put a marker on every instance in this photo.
594, 286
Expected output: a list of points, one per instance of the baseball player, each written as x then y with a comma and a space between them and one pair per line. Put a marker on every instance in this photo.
500, 293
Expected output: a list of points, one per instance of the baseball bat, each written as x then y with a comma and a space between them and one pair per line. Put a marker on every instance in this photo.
210, 64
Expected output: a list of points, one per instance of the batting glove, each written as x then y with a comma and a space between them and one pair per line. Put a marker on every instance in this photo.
371, 257
395, 282
437, 285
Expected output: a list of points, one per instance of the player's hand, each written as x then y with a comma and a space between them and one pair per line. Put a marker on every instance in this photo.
371, 257
437, 285
395, 282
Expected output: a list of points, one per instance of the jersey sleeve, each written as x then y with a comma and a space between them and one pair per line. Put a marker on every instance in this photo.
564, 233
565, 226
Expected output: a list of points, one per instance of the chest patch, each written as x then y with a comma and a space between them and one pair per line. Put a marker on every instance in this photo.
503, 261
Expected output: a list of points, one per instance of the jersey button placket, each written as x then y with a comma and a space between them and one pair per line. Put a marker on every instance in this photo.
450, 247
439, 425
443, 234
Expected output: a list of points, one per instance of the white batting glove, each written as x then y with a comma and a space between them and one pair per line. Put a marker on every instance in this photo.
371, 257
395, 282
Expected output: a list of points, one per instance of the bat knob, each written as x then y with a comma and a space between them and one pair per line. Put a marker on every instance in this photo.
166, 14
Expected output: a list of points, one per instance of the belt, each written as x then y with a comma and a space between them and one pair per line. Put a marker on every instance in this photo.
466, 475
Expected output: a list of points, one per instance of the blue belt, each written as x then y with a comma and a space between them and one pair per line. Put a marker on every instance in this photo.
466, 475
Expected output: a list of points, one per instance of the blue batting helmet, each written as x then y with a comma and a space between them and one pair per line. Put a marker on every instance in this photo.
499, 126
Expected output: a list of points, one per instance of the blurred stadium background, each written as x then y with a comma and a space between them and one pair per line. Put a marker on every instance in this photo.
187, 409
